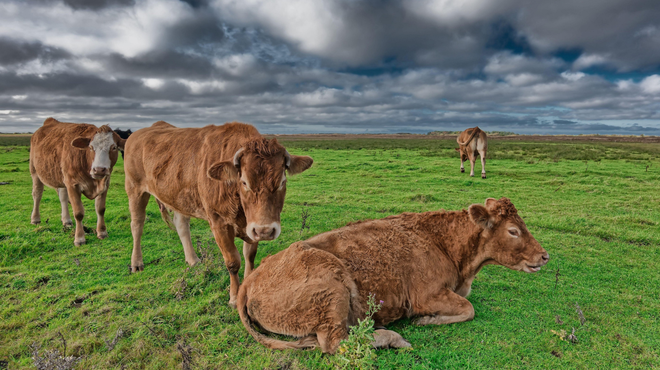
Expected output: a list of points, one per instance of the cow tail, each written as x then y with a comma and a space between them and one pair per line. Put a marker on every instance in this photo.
309, 341
474, 133
165, 215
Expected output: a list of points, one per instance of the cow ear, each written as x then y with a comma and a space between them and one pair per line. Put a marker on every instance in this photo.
81, 143
457, 149
121, 144
223, 171
298, 163
480, 216
491, 205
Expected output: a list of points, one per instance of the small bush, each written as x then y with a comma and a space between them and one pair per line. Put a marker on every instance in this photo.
356, 352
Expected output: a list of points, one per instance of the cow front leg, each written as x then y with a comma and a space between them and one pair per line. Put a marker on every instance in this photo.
64, 203
388, 339
182, 224
482, 154
37, 192
224, 237
137, 205
445, 307
99, 206
78, 214
249, 251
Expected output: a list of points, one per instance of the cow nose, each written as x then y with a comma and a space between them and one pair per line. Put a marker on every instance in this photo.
100, 171
266, 232
545, 257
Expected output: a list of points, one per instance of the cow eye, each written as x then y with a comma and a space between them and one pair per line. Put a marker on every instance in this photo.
244, 185
113, 148
514, 232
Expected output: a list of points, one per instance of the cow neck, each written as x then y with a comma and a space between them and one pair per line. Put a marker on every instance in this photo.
458, 237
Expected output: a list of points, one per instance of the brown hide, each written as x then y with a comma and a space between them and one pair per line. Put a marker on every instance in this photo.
228, 175
473, 142
418, 264
57, 163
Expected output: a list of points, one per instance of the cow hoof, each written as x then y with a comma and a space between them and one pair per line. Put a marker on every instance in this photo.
483, 176
137, 268
462, 170
102, 234
35, 222
472, 175
232, 303
67, 224
194, 262
79, 241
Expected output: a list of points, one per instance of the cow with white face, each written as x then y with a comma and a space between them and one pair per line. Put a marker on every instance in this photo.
75, 159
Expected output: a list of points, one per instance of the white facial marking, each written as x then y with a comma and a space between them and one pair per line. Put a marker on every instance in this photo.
102, 143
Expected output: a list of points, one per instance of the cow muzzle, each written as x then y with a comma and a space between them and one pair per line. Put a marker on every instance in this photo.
536, 266
258, 232
99, 172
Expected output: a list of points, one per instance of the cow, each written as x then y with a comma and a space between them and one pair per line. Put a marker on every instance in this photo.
124, 134
74, 159
418, 264
228, 175
470, 142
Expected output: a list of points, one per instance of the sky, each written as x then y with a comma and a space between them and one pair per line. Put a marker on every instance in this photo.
334, 66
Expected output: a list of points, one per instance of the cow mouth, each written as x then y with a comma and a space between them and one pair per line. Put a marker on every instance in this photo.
532, 268
98, 177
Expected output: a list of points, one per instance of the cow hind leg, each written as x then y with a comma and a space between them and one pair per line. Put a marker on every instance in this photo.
137, 205
473, 159
482, 155
445, 307
182, 224
388, 339
249, 251
99, 206
37, 192
64, 203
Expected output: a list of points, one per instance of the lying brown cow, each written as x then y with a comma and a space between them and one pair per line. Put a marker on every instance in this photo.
228, 175
74, 159
418, 264
471, 142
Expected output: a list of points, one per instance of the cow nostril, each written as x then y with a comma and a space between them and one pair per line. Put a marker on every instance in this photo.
545, 257
254, 232
272, 233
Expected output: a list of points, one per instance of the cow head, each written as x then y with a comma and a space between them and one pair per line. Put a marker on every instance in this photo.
507, 240
260, 168
104, 145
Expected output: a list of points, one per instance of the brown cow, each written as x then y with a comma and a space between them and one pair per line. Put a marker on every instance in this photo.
74, 159
418, 264
228, 175
470, 142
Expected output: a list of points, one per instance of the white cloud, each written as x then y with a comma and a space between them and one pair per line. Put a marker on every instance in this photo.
589, 60
572, 76
651, 84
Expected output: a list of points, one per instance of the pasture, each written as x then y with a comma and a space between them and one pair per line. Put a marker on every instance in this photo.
595, 207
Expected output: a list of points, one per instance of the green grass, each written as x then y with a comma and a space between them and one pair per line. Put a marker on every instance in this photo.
598, 219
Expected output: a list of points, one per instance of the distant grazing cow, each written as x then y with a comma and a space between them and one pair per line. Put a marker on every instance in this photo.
470, 142
418, 264
228, 175
75, 159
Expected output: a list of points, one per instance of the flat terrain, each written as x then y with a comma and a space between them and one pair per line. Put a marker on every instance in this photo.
593, 205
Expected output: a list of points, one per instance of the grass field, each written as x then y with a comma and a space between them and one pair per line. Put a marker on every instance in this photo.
594, 207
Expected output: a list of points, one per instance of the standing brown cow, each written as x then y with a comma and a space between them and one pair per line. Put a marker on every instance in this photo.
417, 264
471, 142
228, 175
74, 159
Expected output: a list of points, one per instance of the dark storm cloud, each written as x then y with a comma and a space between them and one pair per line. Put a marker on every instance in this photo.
97, 4
14, 51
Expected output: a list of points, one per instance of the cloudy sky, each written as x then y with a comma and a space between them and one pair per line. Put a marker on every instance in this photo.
304, 66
